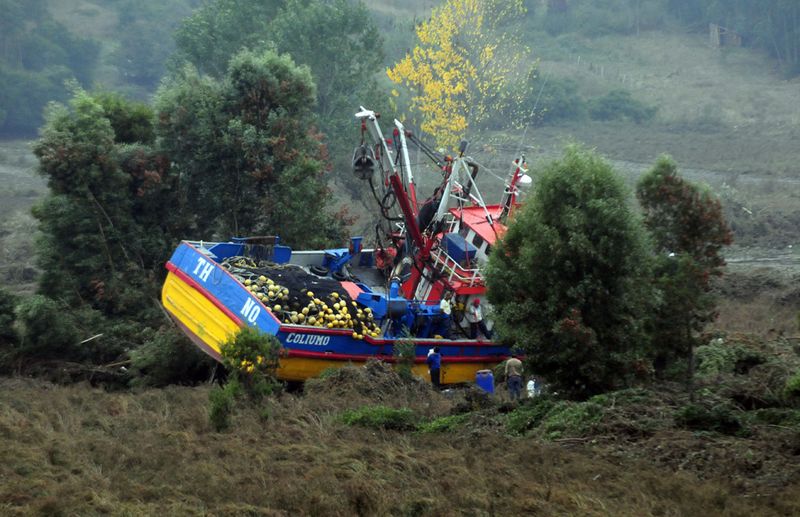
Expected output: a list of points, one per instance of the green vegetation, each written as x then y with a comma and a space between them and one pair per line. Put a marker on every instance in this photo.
568, 280
719, 418
445, 424
404, 354
37, 56
381, 417
769, 25
337, 41
688, 233
620, 105
250, 359
246, 150
792, 389
77, 450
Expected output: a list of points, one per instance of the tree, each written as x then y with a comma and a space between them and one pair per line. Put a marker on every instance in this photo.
688, 233
37, 56
106, 229
568, 278
336, 39
466, 66
221, 28
105, 223
145, 35
249, 159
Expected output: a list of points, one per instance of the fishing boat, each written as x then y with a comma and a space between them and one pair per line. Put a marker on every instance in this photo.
333, 307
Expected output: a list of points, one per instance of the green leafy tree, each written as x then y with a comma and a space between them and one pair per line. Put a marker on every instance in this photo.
104, 225
688, 233
568, 279
106, 228
249, 158
221, 28
8, 334
37, 56
144, 33
337, 40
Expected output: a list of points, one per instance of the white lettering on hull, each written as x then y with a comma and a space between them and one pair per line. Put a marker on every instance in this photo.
308, 339
203, 269
250, 310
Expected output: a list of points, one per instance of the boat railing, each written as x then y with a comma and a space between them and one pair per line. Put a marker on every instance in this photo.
453, 270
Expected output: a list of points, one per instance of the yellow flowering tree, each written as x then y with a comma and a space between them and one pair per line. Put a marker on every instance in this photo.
468, 64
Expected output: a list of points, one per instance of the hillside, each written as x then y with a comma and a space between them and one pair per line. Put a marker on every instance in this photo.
79, 450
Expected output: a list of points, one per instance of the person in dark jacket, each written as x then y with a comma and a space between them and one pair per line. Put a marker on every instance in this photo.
434, 366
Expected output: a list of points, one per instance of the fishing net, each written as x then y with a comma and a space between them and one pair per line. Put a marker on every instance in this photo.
296, 296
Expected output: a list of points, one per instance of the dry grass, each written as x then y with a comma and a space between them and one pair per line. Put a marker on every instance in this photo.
763, 300
75, 450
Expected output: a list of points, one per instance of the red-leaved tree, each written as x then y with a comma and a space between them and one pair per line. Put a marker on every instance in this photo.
688, 232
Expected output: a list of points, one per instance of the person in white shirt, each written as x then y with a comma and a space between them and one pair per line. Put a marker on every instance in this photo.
443, 321
475, 319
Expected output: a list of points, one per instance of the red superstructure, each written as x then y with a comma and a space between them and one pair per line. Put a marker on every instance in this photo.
443, 244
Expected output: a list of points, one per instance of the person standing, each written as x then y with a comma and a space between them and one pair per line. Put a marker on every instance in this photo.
475, 319
434, 366
514, 376
443, 326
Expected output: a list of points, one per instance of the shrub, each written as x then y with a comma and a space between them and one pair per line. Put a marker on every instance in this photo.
222, 401
444, 424
381, 417
252, 357
720, 418
529, 415
559, 100
620, 105
166, 357
571, 419
722, 357
404, 353
776, 416
792, 387
47, 329
7, 303
714, 358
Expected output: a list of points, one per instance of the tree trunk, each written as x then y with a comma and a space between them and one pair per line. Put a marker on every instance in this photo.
690, 369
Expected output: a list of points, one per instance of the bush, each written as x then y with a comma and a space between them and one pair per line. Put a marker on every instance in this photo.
381, 417
529, 416
222, 401
444, 424
792, 388
8, 301
571, 419
47, 329
776, 416
559, 101
404, 353
721, 419
714, 358
251, 358
620, 105
167, 357
721, 357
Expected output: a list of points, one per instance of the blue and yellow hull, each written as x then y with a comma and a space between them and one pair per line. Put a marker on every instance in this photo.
210, 305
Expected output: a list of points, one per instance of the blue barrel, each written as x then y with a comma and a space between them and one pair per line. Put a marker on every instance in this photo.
485, 380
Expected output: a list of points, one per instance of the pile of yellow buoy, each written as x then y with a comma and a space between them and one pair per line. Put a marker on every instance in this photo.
335, 312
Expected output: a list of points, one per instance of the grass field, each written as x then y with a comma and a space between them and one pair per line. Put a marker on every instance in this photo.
75, 450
